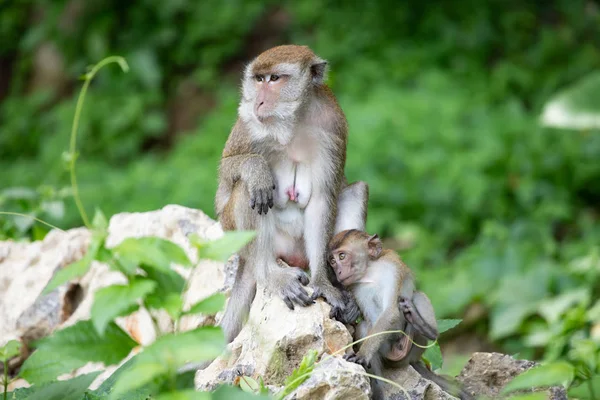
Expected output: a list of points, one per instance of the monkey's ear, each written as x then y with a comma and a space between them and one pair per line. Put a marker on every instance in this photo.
318, 69
375, 246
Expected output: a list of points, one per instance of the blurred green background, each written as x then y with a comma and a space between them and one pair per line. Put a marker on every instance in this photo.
496, 213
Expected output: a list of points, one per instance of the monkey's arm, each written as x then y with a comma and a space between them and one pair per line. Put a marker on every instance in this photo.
254, 171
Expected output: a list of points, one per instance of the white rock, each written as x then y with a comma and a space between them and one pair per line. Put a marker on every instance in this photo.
274, 341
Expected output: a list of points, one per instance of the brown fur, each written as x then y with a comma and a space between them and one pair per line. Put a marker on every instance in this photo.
292, 54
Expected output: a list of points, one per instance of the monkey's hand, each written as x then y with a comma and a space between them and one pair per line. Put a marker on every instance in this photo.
291, 281
332, 295
349, 313
259, 182
357, 359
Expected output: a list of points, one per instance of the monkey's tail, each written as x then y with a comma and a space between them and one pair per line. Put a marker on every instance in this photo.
452, 387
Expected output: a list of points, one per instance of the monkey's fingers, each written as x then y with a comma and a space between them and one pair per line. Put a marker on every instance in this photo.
288, 302
253, 200
270, 198
317, 292
357, 359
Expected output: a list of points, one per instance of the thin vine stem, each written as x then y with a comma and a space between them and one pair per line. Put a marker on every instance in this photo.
73, 144
373, 335
32, 217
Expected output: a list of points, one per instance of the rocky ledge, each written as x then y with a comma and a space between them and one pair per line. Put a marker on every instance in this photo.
271, 345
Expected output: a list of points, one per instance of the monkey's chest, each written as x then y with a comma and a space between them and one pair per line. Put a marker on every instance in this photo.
369, 300
293, 183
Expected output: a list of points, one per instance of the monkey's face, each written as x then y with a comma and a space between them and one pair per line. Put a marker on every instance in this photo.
275, 93
349, 264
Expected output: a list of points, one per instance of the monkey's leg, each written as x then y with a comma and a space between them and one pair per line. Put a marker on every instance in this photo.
352, 207
318, 226
419, 313
452, 387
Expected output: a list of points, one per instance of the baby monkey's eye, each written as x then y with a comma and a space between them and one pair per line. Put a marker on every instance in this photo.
342, 256
274, 78
259, 78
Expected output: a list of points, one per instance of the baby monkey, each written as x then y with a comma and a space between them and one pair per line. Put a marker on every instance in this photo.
384, 289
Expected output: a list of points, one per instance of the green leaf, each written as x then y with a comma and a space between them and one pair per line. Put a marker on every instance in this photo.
156, 252
249, 385
44, 366
447, 324
170, 352
72, 389
210, 305
584, 390
185, 395
10, 350
300, 374
71, 271
113, 301
142, 393
552, 374
99, 221
507, 320
79, 267
221, 249
167, 294
73, 347
433, 355
227, 392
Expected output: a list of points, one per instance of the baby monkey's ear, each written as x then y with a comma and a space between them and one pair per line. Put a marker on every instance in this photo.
375, 247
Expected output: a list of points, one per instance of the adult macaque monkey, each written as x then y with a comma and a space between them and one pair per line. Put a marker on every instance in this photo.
282, 174
384, 289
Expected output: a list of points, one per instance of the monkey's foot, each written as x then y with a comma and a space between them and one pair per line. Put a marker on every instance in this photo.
357, 359
406, 306
292, 282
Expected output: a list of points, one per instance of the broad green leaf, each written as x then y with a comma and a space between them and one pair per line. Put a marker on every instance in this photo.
582, 391
586, 351
141, 393
227, 392
44, 366
221, 249
70, 272
249, 384
10, 350
127, 267
73, 347
433, 355
167, 293
185, 395
210, 305
552, 374
112, 301
170, 352
447, 324
153, 251
72, 389
171, 302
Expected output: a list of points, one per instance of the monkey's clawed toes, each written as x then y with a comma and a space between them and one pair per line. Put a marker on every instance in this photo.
294, 291
357, 359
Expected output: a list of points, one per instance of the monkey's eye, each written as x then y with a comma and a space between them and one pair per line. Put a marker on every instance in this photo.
259, 78
274, 78
342, 256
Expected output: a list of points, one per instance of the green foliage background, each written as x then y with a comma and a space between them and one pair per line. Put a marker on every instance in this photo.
495, 213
